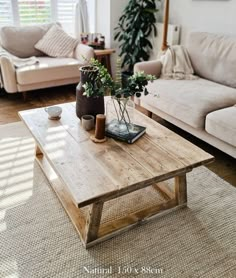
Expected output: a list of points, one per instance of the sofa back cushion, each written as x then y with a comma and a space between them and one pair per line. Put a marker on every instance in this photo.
20, 41
213, 57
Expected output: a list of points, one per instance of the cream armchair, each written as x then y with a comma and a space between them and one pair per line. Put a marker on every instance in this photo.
48, 72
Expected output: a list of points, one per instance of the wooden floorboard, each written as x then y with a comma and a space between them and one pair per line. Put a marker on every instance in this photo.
224, 165
11, 104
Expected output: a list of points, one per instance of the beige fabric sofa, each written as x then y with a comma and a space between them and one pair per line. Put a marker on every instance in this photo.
204, 107
49, 72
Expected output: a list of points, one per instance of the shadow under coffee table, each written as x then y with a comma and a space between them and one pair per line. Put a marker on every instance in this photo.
91, 179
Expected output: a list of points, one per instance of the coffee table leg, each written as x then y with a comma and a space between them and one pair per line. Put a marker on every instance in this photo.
93, 221
181, 189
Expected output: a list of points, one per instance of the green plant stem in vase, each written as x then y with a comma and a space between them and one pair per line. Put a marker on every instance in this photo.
120, 112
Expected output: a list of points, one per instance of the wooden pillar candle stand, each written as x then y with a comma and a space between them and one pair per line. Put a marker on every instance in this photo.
99, 136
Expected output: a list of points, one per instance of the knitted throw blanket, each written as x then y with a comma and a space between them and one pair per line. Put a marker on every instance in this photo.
176, 64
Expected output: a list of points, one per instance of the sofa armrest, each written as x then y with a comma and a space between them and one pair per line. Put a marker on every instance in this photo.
8, 74
83, 53
149, 67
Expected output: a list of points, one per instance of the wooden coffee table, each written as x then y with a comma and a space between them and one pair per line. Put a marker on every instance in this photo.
85, 174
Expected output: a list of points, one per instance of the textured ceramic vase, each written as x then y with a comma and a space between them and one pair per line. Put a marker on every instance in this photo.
88, 105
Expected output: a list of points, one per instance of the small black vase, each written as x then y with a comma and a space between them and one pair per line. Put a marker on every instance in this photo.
88, 105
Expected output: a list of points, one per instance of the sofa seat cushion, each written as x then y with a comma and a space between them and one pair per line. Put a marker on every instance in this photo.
48, 69
189, 100
222, 124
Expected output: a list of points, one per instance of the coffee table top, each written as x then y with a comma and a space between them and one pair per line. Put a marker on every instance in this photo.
94, 172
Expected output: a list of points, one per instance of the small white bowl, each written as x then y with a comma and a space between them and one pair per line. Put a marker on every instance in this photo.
53, 112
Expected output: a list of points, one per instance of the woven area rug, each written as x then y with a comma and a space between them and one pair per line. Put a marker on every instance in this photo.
38, 240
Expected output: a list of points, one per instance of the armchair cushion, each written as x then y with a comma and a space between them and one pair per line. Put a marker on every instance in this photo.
56, 43
20, 41
48, 69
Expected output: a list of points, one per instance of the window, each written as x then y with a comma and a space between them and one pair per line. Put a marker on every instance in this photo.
25, 12
65, 14
5, 12
34, 11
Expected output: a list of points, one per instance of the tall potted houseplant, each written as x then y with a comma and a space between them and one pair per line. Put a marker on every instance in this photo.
135, 26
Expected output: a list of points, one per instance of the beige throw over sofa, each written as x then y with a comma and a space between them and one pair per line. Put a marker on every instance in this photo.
205, 107
48, 72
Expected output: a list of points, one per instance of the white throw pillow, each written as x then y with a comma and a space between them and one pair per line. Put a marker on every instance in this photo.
56, 43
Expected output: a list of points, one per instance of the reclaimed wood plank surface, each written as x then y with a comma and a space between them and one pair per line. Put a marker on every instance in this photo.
173, 144
99, 172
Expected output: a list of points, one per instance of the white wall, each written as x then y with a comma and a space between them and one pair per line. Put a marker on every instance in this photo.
108, 13
103, 19
217, 16
92, 15
117, 8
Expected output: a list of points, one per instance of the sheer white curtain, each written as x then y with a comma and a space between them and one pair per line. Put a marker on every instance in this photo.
81, 18
91, 4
